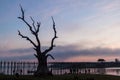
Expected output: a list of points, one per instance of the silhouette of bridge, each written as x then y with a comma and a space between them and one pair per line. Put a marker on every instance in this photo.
59, 68
67, 65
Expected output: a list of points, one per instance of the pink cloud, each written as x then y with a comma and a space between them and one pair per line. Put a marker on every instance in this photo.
112, 6
90, 58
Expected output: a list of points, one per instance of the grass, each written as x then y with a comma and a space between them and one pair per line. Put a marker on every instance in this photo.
62, 77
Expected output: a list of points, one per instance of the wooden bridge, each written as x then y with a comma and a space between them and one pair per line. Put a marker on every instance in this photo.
59, 68
25, 68
68, 65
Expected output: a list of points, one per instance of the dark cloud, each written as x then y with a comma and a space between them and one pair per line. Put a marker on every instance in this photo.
61, 52
18, 58
17, 54
21, 50
64, 52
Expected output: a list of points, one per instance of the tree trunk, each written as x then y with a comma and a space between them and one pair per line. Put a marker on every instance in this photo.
42, 68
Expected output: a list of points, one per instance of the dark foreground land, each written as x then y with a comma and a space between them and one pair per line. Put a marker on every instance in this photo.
62, 77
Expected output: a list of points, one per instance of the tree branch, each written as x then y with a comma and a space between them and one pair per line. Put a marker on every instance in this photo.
33, 23
53, 39
50, 56
34, 32
22, 12
36, 55
38, 27
27, 38
23, 19
38, 41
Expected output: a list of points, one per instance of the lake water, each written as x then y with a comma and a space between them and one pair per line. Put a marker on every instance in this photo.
113, 71
105, 71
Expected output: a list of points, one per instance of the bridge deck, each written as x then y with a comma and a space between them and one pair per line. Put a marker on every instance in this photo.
67, 65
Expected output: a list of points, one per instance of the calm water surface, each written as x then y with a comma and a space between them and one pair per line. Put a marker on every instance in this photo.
113, 71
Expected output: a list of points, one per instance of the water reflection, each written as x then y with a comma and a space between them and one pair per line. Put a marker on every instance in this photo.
105, 71
113, 71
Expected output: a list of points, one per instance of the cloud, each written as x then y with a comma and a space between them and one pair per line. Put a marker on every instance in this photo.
61, 53
111, 6
19, 54
16, 52
70, 51
21, 50
29, 57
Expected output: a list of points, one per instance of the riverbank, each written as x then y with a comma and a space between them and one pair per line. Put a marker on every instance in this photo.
62, 77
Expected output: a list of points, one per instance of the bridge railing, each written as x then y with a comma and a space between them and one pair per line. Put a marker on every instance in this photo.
12, 67
57, 68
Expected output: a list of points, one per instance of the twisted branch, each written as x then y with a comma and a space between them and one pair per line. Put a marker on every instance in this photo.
50, 56
27, 38
33, 23
23, 19
34, 32
52, 41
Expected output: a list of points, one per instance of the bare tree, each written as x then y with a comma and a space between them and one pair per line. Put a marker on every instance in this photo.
42, 68
101, 60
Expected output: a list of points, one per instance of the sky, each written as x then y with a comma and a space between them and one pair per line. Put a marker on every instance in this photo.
87, 29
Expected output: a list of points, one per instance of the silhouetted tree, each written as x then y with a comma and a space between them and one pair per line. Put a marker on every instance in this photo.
116, 60
42, 68
101, 60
